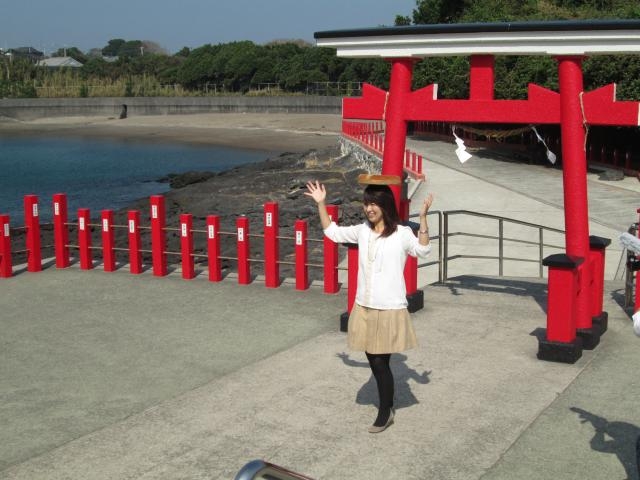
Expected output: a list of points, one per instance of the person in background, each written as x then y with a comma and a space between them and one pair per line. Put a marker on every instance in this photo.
379, 323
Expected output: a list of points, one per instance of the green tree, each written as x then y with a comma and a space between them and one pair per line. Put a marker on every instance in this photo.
113, 47
72, 52
439, 11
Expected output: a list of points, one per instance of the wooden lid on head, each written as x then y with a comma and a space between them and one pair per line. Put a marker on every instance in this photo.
368, 179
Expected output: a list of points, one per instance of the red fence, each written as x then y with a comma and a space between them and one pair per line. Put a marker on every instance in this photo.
370, 135
158, 229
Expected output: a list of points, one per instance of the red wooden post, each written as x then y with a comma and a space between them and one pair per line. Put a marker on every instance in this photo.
302, 269
561, 343
411, 266
108, 241
84, 239
481, 77
352, 274
135, 256
213, 248
396, 131
186, 246
331, 257
32, 233
574, 170
158, 236
61, 230
6, 266
352, 284
244, 267
271, 245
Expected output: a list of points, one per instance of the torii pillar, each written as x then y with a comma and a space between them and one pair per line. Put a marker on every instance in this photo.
395, 140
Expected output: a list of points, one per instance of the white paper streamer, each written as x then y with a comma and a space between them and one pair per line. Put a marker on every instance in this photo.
461, 151
550, 155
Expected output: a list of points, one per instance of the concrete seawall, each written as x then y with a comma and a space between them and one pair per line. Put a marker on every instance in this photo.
34, 108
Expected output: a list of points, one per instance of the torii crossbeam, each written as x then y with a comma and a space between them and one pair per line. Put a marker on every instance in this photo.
569, 329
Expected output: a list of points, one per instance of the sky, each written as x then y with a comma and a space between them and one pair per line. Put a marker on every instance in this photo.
48, 25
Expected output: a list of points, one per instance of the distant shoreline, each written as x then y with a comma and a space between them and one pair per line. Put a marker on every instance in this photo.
277, 132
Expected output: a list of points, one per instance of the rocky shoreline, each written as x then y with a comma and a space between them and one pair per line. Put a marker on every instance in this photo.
240, 191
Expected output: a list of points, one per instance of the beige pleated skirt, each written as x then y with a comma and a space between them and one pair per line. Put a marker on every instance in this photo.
380, 331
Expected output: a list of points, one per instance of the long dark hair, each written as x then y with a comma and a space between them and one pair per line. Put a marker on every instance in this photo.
383, 197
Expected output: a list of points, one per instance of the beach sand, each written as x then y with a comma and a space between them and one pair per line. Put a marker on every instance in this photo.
272, 132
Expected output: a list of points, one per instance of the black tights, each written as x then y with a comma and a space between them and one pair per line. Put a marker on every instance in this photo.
379, 363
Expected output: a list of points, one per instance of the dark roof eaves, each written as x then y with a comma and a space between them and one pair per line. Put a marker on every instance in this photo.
497, 27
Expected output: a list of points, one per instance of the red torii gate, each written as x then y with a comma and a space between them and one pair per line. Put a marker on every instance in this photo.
575, 319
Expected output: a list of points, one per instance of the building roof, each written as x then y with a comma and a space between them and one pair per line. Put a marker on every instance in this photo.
59, 62
26, 51
562, 37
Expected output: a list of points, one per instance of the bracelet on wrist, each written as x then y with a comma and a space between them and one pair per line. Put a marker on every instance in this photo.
423, 231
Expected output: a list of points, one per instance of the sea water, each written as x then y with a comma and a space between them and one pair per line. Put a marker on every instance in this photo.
99, 174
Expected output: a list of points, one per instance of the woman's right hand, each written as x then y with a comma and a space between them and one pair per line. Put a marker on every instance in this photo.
316, 191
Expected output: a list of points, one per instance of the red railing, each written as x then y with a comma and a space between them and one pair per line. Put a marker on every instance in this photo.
158, 252
370, 136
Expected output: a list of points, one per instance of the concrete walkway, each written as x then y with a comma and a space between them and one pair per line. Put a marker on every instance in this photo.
113, 376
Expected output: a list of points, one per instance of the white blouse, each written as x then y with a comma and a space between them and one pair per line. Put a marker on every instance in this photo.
381, 263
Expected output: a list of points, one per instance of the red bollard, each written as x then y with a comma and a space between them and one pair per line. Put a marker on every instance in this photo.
302, 269
597, 249
61, 230
352, 284
158, 237
213, 248
186, 246
271, 245
331, 257
84, 239
561, 344
135, 255
32, 233
415, 297
108, 241
6, 266
244, 267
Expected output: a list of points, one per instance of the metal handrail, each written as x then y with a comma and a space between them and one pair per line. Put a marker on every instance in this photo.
265, 470
444, 234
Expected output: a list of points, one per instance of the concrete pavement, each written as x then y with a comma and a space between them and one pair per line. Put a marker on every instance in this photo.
110, 376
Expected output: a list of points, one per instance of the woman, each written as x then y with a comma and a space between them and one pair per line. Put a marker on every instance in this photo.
379, 323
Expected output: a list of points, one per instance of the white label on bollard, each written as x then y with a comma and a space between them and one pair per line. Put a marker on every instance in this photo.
81, 222
6, 229
269, 219
56, 208
105, 225
35, 209
241, 234
330, 218
212, 232
298, 238
132, 226
184, 229
154, 211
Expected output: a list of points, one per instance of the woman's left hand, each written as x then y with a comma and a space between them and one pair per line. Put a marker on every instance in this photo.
426, 205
